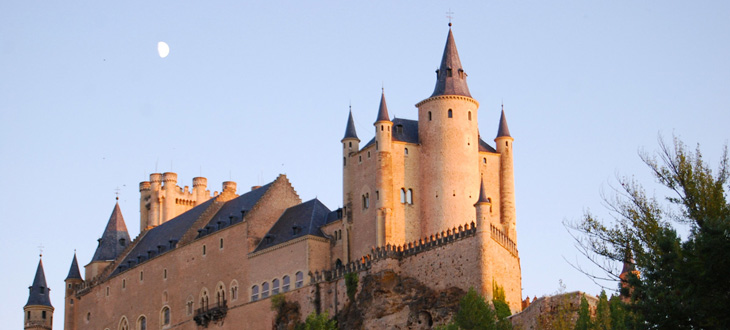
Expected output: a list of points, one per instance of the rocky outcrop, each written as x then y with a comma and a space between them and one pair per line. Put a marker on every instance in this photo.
388, 301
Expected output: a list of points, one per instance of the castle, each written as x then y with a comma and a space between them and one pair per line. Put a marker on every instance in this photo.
427, 199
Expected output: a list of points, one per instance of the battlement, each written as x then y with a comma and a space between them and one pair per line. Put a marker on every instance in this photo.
500, 237
397, 252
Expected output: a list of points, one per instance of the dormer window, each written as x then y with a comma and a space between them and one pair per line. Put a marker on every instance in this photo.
448, 72
296, 230
122, 241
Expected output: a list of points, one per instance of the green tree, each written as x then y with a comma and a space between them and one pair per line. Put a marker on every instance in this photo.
618, 313
682, 280
584, 316
475, 313
318, 322
603, 313
501, 308
351, 280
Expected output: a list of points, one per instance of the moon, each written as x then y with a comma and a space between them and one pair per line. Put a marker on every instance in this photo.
163, 49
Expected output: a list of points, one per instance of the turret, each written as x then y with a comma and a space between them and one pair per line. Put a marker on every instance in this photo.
73, 281
506, 177
449, 142
200, 186
145, 189
170, 189
350, 146
38, 310
383, 174
483, 208
112, 242
383, 127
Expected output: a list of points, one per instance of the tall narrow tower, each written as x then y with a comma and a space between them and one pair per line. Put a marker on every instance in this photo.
73, 280
350, 146
506, 178
449, 138
383, 175
38, 310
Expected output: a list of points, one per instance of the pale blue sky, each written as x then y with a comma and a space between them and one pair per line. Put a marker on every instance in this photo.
251, 90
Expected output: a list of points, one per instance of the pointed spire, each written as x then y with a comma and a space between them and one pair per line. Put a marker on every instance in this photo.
383, 110
628, 262
450, 77
73, 272
503, 129
39, 291
350, 132
114, 239
482, 194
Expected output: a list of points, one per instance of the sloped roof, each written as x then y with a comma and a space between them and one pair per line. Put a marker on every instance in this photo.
350, 132
158, 240
404, 130
73, 272
161, 235
503, 129
297, 221
482, 194
485, 147
39, 292
450, 77
114, 239
382, 110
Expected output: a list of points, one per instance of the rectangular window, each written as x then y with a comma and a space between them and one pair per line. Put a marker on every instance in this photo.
221, 243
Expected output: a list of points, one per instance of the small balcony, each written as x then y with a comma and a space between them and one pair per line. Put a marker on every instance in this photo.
211, 313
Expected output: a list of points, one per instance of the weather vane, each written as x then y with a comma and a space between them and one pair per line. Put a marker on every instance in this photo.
450, 15
40, 248
116, 192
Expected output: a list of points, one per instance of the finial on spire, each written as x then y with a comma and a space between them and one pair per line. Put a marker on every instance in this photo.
449, 15
116, 192
40, 248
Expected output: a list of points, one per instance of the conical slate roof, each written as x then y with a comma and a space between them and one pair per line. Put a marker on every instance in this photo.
383, 110
482, 194
503, 129
39, 292
114, 239
450, 77
350, 132
73, 272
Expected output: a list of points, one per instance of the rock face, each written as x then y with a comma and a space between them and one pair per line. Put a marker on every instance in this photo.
388, 301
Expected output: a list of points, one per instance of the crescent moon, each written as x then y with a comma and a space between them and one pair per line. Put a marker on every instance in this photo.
163, 49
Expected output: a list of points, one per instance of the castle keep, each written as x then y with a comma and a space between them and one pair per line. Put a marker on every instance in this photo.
428, 199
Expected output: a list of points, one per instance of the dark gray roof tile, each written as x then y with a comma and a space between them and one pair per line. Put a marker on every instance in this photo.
114, 239
296, 221
39, 294
450, 77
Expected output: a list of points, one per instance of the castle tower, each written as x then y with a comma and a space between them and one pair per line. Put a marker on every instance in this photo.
112, 242
350, 146
507, 179
449, 139
383, 175
73, 280
161, 199
483, 208
38, 310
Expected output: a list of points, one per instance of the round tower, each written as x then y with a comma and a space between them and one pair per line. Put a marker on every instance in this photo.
73, 281
506, 178
38, 311
383, 175
169, 191
200, 192
449, 138
350, 146
144, 197
155, 209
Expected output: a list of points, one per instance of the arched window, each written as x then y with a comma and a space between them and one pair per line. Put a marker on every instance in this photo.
165, 316
254, 293
350, 144
299, 280
204, 299
484, 160
234, 290
285, 286
189, 305
123, 323
264, 290
220, 295
409, 196
275, 286
451, 114
402, 195
405, 152
142, 323
366, 201
469, 115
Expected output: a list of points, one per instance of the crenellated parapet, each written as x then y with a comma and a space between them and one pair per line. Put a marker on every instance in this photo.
500, 237
397, 252
161, 199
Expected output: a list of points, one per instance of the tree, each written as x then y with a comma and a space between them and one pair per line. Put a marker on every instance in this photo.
584, 316
318, 322
603, 313
474, 313
681, 281
501, 308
